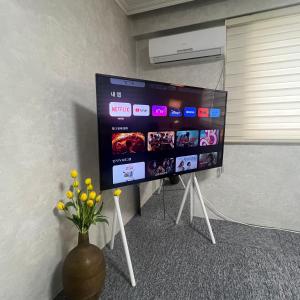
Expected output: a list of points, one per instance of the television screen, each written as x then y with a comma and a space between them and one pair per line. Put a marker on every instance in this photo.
149, 130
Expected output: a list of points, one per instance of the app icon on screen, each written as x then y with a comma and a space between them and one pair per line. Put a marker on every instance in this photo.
175, 112
186, 163
215, 113
127, 142
187, 138
141, 110
203, 112
119, 109
208, 160
209, 137
189, 112
128, 172
159, 111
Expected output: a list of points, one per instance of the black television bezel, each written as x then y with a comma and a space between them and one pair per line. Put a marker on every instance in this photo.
127, 183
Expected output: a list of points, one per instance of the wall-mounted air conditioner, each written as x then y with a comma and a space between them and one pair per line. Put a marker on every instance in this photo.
195, 44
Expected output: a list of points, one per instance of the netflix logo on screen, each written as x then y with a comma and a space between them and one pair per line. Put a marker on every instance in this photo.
119, 109
141, 110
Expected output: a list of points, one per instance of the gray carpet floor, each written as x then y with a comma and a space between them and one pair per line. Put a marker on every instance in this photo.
179, 262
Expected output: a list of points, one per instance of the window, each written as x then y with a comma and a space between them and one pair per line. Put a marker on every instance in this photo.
263, 77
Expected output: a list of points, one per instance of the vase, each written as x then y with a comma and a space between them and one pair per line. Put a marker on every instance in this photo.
84, 271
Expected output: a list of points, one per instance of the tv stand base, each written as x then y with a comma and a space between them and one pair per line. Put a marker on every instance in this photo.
191, 185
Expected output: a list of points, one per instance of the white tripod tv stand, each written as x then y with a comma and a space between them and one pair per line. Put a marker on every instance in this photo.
118, 215
191, 185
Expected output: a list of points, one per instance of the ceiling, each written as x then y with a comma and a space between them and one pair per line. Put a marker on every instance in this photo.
131, 7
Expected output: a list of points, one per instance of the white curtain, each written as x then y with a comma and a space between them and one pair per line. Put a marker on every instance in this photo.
262, 77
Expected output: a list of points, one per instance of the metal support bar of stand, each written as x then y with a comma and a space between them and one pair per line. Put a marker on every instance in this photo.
193, 183
161, 188
118, 215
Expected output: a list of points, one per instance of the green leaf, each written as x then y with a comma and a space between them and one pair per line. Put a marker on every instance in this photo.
76, 220
101, 220
70, 204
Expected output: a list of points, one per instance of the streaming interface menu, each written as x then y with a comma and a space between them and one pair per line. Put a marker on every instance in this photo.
150, 130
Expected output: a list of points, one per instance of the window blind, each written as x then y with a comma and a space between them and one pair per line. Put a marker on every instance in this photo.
262, 77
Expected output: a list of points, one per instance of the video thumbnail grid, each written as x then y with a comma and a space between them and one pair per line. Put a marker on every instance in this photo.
130, 143
163, 166
134, 142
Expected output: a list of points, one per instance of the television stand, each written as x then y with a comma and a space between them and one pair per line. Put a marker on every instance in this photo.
190, 186
162, 182
118, 215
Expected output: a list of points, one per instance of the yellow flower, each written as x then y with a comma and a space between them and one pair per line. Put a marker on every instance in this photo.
78, 191
98, 198
76, 183
117, 192
92, 195
83, 197
90, 203
69, 194
88, 181
90, 187
60, 205
74, 173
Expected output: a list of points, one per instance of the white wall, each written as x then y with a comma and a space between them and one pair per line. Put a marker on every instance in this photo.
50, 51
199, 12
259, 185
260, 182
147, 189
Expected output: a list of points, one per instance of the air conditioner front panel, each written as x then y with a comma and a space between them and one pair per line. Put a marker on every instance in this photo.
189, 43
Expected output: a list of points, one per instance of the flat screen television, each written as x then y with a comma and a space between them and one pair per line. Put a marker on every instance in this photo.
150, 130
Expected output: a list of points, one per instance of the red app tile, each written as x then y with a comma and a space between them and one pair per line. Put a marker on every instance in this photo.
203, 112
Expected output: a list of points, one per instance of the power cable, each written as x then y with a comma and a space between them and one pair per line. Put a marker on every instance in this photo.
222, 71
222, 216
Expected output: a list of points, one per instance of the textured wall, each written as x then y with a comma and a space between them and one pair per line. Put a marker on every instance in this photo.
197, 12
50, 51
260, 182
259, 185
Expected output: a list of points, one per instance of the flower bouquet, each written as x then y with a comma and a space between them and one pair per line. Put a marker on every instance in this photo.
84, 266
83, 207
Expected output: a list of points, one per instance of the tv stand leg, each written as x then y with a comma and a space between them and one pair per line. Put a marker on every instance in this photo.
191, 202
124, 240
204, 210
190, 189
182, 182
113, 231
187, 189
160, 186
